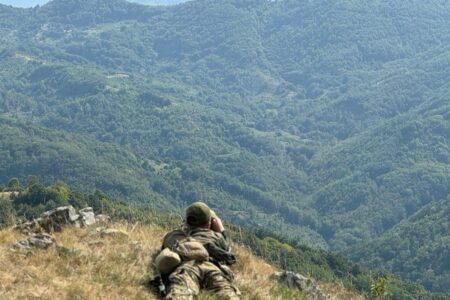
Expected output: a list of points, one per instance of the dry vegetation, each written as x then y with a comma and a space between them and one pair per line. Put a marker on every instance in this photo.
86, 266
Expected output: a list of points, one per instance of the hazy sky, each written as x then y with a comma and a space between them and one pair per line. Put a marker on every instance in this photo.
23, 3
31, 3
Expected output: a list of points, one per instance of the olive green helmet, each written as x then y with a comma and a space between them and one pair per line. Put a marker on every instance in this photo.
198, 214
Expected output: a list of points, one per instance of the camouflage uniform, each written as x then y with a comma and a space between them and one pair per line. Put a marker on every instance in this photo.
187, 279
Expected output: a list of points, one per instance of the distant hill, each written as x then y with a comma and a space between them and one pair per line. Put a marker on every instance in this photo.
417, 248
159, 2
327, 122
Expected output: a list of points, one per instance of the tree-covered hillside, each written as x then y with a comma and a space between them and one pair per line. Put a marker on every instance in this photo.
416, 248
326, 121
158, 2
31, 198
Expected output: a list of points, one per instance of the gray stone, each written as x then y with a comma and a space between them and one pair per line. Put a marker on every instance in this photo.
66, 213
103, 219
53, 220
29, 227
22, 244
40, 241
87, 216
57, 218
297, 281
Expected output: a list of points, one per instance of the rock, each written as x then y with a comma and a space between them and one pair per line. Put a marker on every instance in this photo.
22, 245
53, 220
57, 218
103, 219
41, 241
29, 227
66, 214
87, 216
297, 281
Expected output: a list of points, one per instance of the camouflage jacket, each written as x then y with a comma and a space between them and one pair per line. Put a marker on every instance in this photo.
202, 235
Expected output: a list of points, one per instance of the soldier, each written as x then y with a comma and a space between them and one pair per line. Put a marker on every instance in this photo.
185, 282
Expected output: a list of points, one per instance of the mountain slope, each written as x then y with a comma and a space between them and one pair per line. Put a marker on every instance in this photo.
417, 248
92, 164
106, 252
82, 265
383, 176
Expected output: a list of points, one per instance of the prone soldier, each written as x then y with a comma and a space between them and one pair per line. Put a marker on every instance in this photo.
197, 257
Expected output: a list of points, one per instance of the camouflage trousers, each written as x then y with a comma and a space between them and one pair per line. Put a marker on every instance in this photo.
187, 280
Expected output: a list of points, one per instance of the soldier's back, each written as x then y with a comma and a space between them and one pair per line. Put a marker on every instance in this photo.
201, 235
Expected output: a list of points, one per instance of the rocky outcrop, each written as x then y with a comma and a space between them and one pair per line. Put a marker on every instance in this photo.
29, 227
40, 241
39, 229
297, 281
102, 219
56, 219
87, 216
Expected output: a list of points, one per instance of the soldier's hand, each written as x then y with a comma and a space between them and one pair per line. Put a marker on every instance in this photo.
216, 225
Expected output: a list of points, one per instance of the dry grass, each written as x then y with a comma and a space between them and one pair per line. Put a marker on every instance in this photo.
253, 275
83, 266
86, 266
339, 292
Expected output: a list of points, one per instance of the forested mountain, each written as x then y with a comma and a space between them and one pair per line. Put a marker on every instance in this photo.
158, 2
416, 248
327, 121
346, 280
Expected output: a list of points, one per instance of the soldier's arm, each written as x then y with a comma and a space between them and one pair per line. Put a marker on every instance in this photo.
224, 238
164, 242
216, 225
171, 238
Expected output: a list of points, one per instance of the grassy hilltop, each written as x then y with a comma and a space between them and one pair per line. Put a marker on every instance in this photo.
84, 266
85, 261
